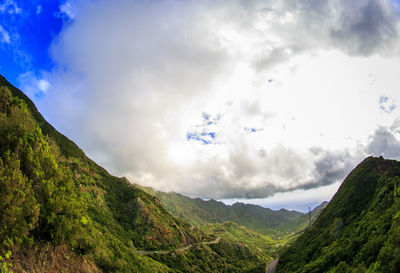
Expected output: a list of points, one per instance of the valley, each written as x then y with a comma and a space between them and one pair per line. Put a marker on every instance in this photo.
186, 136
263, 230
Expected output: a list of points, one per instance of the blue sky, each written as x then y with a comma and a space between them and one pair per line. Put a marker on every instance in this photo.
31, 27
272, 102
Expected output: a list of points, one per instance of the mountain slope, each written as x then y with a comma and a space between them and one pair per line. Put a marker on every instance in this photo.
299, 224
56, 199
200, 212
264, 230
359, 229
263, 245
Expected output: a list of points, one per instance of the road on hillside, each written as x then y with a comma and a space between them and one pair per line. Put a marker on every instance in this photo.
216, 241
270, 268
181, 249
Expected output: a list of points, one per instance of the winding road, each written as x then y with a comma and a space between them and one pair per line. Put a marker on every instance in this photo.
181, 249
270, 268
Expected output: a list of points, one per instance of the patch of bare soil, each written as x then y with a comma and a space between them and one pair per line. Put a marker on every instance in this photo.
48, 258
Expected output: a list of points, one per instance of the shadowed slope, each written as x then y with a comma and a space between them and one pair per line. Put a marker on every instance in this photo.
358, 230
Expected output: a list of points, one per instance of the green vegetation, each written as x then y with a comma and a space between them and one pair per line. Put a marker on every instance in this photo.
266, 232
5, 266
222, 257
52, 194
199, 212
288, 233
262, 245
301, 223
359, 230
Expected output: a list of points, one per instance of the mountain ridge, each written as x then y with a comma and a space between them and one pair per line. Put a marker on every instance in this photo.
198, 212
358, 230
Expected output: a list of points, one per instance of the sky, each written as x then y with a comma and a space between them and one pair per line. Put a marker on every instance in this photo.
266, 102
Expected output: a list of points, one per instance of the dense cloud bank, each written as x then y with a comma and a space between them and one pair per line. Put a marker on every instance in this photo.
214, 99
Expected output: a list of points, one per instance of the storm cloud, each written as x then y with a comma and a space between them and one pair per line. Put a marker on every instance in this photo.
384, 143
358, 27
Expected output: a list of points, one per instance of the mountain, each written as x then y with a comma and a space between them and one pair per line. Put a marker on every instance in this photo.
359, 229
300, 224
265, 231
199, 212
60, 211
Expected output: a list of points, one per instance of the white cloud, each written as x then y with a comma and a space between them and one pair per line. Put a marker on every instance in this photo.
135, 77
33, 86
43, 85
38, 9
384, 143
66, 10
10, 7
4, 36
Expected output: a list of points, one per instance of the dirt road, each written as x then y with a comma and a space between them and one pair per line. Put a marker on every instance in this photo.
216, 241
181, 249
270, 268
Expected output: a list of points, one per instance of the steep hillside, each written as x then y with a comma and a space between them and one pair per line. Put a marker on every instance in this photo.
57, 201
266, 231
264, 245
200, 212
359, 229
299, 224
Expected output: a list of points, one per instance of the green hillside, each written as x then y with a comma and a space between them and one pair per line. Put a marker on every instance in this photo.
301, 223
265, 231
60, 210
199, 212
264, 245
359, 229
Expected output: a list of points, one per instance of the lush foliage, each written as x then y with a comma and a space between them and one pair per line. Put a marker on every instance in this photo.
263, 245
359, 229
265, 231
39, 197
5, 266
200, 212
222, 257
